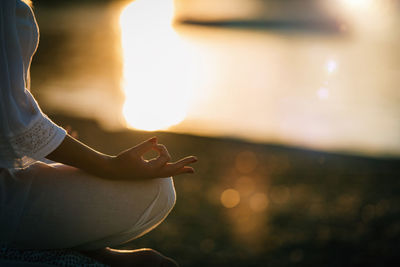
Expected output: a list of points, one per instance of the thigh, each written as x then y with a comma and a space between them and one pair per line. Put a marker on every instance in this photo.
67, 207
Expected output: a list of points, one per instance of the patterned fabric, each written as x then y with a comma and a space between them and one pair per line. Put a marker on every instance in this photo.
64, 257
38, 140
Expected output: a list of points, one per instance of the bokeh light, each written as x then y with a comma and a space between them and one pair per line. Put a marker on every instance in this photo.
245, 185
331, 66
258, 202
358, 4
230, 198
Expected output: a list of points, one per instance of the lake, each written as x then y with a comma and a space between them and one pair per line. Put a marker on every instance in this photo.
333, 90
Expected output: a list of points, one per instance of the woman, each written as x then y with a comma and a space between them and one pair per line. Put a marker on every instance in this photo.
87, 200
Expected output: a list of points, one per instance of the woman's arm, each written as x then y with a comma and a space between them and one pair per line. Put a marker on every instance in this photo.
26, 134
128, 165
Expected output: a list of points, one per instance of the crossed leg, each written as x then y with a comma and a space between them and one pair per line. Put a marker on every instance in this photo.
68, 208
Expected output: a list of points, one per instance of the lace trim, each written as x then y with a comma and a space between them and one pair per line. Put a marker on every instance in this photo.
34, 139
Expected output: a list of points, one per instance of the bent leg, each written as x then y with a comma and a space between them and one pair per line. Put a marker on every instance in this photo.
68, 208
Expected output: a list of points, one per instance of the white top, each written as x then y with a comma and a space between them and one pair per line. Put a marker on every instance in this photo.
26, 134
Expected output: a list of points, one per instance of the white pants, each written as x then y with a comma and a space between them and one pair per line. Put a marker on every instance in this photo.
51, 206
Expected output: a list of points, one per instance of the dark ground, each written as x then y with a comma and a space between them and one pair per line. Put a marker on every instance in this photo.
323, 209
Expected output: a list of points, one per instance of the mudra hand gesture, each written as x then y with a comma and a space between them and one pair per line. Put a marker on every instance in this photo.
130, 163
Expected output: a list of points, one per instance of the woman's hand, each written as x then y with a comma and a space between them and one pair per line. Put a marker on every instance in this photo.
131, 165
128, 165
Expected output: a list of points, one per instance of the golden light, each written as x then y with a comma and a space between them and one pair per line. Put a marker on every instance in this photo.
245, 185
368, 16
156, 69
230, 198
331, 65
258, 202
357, 3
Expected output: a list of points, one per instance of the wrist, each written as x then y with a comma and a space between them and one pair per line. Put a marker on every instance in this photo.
106, 168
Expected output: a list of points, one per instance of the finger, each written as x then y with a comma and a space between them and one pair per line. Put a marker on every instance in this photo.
183, 162
183, 170
164, 156
173, 167
162, 150
146, 146
173, 172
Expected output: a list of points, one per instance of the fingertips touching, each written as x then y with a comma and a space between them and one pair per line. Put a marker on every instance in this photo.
164, 154
162, 149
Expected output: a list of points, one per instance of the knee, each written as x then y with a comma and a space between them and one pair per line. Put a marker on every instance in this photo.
160, 207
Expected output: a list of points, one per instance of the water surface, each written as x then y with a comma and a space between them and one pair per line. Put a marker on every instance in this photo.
326, 90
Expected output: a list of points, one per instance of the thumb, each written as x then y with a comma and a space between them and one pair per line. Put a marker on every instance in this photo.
146, 145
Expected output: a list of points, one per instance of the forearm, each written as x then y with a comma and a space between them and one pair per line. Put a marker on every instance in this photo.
74, 153
127, 165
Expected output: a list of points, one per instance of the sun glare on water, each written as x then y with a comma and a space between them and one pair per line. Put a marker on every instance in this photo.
156, 71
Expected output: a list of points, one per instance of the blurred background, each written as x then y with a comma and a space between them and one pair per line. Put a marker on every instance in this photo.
292, 106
